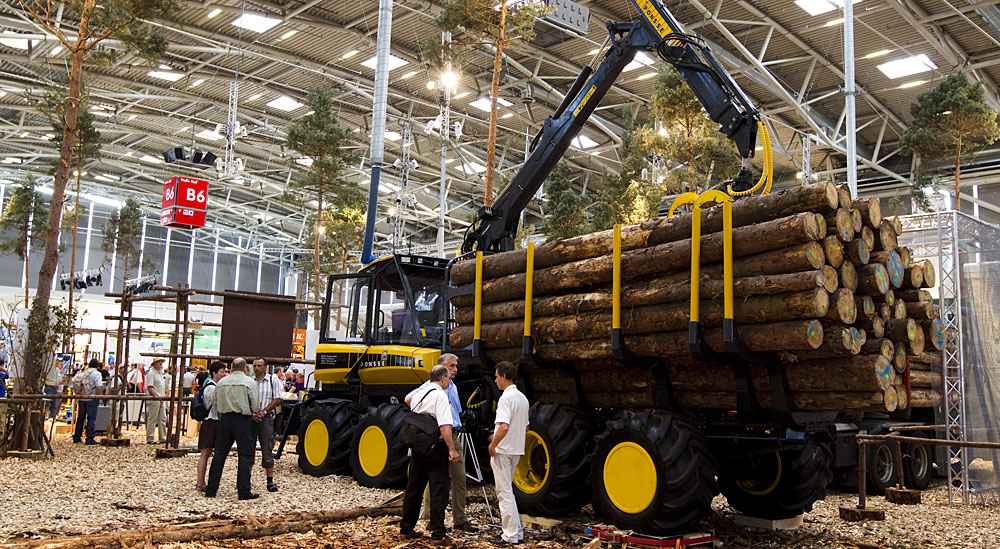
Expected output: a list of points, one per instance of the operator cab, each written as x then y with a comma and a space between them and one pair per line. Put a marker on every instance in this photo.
395, 300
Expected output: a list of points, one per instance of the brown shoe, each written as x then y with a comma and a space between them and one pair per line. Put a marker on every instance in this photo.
441, 541
465, 527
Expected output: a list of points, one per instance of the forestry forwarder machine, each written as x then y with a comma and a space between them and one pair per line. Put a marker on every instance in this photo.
654, 470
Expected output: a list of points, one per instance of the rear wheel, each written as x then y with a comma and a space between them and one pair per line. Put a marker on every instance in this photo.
378, 459
918, 463
881, 468
779, 484
324, 446
653, 471
551, 477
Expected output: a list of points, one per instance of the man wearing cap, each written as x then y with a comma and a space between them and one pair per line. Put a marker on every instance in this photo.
237, 401
156, 410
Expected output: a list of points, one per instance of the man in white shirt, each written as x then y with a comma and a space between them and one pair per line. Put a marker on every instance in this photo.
431, 467
88, 408
209, 427
156, 410
187, 381
270, 391
506, 449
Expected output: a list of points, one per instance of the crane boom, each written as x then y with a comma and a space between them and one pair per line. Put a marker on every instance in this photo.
656, 29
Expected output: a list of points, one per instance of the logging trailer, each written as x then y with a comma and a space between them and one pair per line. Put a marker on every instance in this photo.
653, 468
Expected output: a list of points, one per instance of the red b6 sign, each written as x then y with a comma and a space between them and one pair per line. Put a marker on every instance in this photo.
185, 201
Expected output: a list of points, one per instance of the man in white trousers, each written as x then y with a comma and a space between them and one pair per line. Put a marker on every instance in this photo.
506, 448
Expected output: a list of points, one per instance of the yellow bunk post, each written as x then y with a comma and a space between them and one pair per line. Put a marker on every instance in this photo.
527, 348
477, 344
694, 333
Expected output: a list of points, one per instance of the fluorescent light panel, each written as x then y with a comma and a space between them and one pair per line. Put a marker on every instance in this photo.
16, 43
394, 62
256, 22
214, 12
285, 103
483, 103
913, 84
878, 53
817, 7
393, 136
288, 34
164, 75
209, 135
907, 66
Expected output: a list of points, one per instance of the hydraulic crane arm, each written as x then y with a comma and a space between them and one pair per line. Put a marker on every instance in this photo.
655, 30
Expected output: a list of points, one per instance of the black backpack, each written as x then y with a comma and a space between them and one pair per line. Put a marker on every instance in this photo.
420, 432
199, 409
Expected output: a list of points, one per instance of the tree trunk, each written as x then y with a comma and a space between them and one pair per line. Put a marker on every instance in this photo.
839, 224
868, 235
918, 343
841, 309
491, 141
874, 326
886, 237
924, 399
882, 347
834, 251
905, 256
933, 333
40, 307
913, 277
873, 279
857, 252
72, 254
901, 329
893, 266
820, 197
930, 276
958, 174
865, 305
870, 210
855, 374
848, 276
316, 258
814, 402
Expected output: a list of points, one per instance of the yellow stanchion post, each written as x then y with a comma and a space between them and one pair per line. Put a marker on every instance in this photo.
477, 325
529, 276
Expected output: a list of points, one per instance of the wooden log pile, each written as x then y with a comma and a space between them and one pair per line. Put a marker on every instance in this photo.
819, 281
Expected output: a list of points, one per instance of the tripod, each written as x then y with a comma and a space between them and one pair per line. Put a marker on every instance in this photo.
470, 450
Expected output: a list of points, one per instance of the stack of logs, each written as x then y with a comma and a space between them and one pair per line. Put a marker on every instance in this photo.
820, 282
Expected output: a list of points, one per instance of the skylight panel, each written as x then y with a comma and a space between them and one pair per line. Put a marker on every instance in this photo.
164, 75
256, 22
907, 66
584, 142
483, 103
285, 103
394, 62
641, 60
818, 7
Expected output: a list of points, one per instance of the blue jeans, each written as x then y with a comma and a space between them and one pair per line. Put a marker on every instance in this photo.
54, 403
88, 413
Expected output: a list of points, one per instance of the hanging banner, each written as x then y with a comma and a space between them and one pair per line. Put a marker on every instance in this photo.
185, 202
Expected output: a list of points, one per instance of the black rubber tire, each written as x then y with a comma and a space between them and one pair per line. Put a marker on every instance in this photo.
340, 419
568, 434
918, 463
389, 419
881, 468
777, 485
685, 472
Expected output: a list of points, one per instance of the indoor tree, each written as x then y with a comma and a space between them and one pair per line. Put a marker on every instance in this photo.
948, 121
82, 27
123, 235
566, 213
338, 234
497, 25
24, 216
327, 150
628, 197
697, 154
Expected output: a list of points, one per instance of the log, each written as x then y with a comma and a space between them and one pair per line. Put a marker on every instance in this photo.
924, 398
893, 266
927, 361
902, 401
901, 329
930, 275
915, 295
834, 251
889, 399
779, 336
840, 224
920, 378
906, 256
882, 347
865, 305
885, 237
857, 252
646, 319
848, 276
831, 278
870, 210
885, 312
854, 374
819, 197
921, 310
856, 220
841, 308
897, 224
873, 279
844, 196
822, 223
860, 338
669, 289
899, 309
913, 277
813, 402
917, 345
874, 326
888, 298
868, 235
934, 333
899, 357
660, 259
838, 340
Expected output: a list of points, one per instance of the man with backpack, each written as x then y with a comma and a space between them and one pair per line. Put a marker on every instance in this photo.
87, 382
203, 410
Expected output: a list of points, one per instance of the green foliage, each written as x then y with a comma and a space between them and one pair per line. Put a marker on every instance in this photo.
87, 145
341, 231
123, 234
566, 213
25, 216
480, 20
57, 328
627, 198
689, 138
66, 222
948, 121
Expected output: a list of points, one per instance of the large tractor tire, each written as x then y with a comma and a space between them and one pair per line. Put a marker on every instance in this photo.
777, 485
653, 472
551, 477
324, 446
378, 459
918, 463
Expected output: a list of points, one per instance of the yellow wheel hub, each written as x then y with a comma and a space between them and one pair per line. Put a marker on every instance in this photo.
770, 474
317, 442
532, 470
630, 478
373, 451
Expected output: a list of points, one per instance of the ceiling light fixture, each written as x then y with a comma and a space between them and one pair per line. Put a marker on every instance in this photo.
285, 103
197, 82
393, 136
913, 84
817, 7
210, 135
408, 75
907, 66
256, 22
288, 34
878, 53
255, 97
483, 103
214, 12
350, 54
163, 75
394, 62
645, 76
461, 95
56, 50
834, 22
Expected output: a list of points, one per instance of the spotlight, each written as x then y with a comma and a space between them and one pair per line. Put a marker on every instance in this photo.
208, 159
198, 155
179, 153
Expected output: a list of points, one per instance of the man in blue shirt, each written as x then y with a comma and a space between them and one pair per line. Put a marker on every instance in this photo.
456, 469
4, 376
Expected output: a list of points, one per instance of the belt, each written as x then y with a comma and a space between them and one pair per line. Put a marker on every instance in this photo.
231, 414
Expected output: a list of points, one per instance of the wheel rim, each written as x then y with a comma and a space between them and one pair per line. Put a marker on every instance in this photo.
373, 451
630, 477
532, 471
317, 442
765, 475
921, 461
883, 464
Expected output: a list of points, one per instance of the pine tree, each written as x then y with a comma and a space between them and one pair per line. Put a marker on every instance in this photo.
627, 197
25, 216
685, 137
320, 137
123, 235
498, 25
566, 213
947, 122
